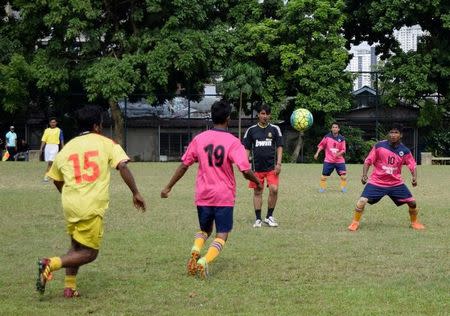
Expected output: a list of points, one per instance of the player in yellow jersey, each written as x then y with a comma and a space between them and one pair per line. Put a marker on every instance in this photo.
51, 140
81, 172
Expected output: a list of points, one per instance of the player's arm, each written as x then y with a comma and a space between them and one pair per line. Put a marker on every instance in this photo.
249, 175
128, 178
364, 174
61, 138
414, 177
342, 151
279, 159
320, 147
179, 173
316, 155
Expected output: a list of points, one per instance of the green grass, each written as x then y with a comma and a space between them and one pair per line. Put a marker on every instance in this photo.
309, 265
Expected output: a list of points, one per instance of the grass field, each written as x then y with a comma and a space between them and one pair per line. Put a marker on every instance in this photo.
310, 265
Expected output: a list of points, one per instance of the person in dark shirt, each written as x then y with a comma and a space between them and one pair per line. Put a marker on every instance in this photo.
264, 143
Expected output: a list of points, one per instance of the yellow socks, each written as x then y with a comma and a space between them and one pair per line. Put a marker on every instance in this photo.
199, 241
55, 263
214, 250
343, 182
359, 209
323, 182
357, 216
70, 281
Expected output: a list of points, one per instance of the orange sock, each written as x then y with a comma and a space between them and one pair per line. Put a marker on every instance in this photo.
214, 249
413, 214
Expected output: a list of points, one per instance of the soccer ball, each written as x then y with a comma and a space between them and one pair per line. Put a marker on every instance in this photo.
301, 120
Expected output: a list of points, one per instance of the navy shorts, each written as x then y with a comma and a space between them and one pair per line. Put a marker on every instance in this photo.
328, 168
221, 215
399, 194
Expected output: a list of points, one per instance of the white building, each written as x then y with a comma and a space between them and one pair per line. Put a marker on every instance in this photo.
363, 62
408, 36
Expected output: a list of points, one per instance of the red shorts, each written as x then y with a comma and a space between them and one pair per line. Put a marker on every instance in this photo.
271, 176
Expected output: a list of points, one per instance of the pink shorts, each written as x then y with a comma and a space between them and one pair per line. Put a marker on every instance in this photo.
271, 176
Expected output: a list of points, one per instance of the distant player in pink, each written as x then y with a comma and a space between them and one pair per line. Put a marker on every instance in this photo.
387, 157
215, 151
333, 144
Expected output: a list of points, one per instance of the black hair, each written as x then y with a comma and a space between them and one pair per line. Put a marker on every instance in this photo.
264, 107
52, 118
335, 123
220, 111
87, 116
396, 126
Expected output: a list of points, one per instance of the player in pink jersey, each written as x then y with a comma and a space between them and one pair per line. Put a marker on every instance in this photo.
387, 158
333, 144
215, 151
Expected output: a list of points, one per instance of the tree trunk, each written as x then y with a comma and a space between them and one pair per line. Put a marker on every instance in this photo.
298, 147
239, 115
117, 117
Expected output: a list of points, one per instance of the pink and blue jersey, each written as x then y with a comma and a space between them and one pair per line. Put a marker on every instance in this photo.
215, 151
388, 162
332, 145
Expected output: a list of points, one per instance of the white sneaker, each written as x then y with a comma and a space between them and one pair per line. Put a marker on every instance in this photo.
45, 179
271, 221
257, 224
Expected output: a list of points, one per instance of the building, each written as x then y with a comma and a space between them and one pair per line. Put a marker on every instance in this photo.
408, 37
364, 61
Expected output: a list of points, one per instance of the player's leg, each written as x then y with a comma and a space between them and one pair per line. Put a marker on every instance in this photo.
401, 195
359, 209
50, 152
86, 237
206, 221
257, 199
272, 181
413, 213
326, 171
342, 172
371, 194
224, 225
77, 256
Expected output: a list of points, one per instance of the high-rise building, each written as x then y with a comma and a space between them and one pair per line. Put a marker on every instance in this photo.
408, 36
363, 62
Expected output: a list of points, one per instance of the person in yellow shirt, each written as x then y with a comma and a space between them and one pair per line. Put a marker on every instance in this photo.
51, 140
81, 172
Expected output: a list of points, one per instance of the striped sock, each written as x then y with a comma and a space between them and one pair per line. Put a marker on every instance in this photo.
214, 249
199, 241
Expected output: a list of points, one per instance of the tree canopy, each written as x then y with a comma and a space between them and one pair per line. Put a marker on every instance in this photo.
111, 49
415, 76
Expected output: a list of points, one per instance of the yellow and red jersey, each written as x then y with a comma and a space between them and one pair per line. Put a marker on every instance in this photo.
84, 166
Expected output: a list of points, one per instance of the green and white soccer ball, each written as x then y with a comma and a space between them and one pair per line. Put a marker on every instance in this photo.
301, 119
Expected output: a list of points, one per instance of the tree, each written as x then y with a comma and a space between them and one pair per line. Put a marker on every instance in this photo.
112, 48
413, 76
240, 82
